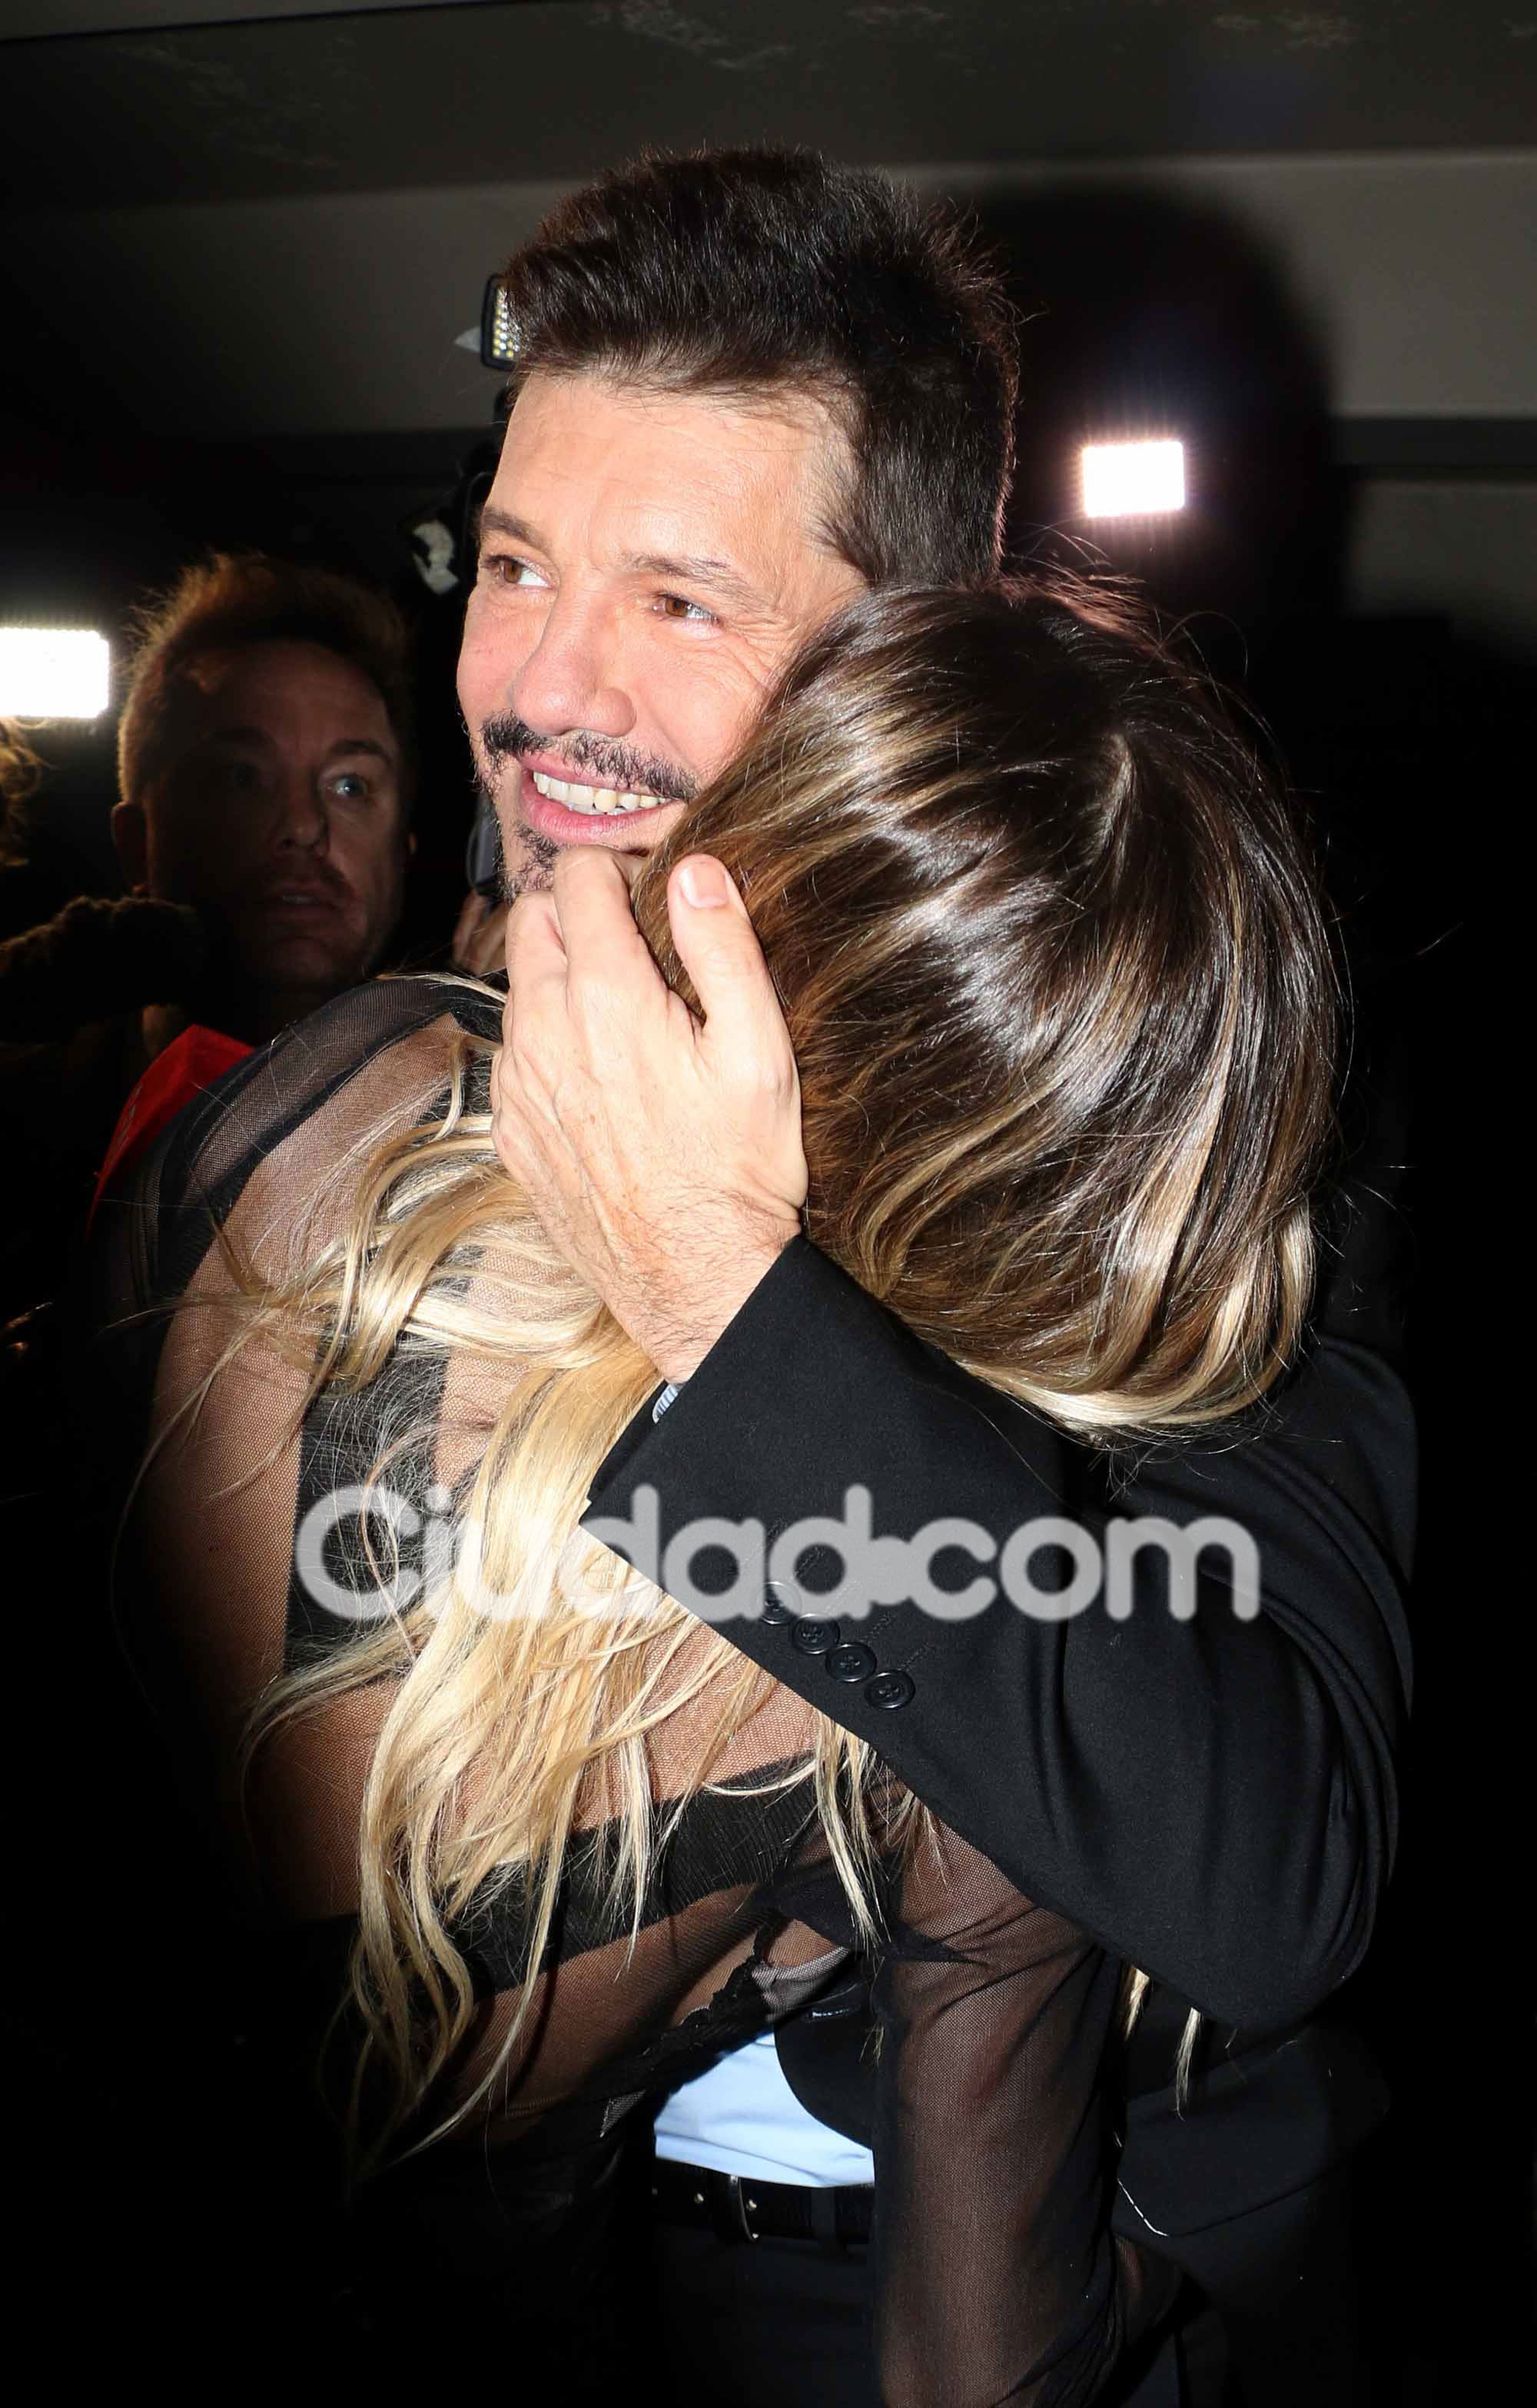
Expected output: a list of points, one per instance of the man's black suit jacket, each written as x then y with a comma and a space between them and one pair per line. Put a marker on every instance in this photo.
1213, 1798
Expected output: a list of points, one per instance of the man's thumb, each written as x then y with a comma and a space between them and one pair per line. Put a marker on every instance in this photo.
717, 945
705, 883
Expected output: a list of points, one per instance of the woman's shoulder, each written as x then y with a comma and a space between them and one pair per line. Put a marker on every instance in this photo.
378, 1043
273, 1137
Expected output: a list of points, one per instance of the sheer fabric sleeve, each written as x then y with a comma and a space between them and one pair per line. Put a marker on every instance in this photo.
217, 1591
997, 2275
211, 1456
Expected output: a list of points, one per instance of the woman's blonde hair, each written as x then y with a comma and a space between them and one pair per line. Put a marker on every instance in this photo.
1058, 980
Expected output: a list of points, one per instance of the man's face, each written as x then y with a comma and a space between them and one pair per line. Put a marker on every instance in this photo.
649, 562
281, 820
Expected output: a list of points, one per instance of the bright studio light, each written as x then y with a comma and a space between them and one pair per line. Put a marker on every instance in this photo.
53, 673
1132, 481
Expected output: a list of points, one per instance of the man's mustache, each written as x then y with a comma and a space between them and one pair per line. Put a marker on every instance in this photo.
320, 875
508, 737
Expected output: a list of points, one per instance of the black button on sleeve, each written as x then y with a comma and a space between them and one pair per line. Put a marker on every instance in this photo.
851, 1662
812, 1638
890, 1689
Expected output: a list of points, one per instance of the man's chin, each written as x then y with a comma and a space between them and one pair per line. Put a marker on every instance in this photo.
528, 864
308, 958
306, 969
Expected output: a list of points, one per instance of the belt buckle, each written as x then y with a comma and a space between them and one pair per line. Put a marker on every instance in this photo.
728, 2206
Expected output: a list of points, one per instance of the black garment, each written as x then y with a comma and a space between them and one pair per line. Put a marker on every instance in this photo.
996, 2275
787, 2320
1214, 1797
72, 993
761, 2327
1246, 2182
1218, 1794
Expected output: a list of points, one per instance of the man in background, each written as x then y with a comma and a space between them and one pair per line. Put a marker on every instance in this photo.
264, 770
265, 765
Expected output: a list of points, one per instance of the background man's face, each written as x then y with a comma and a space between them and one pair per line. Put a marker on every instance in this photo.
648, 564
280, 821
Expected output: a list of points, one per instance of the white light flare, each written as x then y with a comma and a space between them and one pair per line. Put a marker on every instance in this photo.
53, 673
1132, 481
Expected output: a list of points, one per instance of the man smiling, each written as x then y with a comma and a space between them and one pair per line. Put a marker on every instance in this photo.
664, 557
747, 386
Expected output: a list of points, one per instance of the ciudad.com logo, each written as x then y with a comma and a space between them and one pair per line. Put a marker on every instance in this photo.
726, 1571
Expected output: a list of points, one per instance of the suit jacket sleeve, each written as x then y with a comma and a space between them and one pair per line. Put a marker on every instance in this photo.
1210, 1796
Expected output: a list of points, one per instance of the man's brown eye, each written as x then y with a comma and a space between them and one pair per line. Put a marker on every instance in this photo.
508, 570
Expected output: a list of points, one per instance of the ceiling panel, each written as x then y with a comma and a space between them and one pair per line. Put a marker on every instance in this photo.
58, 20
414, 97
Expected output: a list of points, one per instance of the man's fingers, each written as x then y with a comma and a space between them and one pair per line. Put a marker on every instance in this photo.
609, 960
536, 953
722, 956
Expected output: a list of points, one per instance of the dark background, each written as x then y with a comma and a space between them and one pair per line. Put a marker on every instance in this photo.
1300, 238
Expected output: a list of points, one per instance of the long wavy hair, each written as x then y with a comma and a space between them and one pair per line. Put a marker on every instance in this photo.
1059, 987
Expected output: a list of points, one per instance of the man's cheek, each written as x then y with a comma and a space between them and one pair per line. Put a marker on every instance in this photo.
387, 897
194, 874
718, 713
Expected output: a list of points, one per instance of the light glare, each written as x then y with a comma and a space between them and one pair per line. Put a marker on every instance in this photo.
53, 673
1123, 481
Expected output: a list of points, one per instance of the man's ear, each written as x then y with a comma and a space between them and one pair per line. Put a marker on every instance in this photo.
130, 836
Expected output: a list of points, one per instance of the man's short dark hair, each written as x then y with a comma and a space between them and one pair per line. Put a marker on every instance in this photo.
749, 273
232, 600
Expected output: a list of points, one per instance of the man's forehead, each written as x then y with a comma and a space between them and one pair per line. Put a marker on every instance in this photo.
279, 682
652, 473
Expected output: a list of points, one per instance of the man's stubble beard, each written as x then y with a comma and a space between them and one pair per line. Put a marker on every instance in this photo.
533, 869
503, 739
536, 872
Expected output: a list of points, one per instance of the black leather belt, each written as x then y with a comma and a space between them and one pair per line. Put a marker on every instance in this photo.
737, 2207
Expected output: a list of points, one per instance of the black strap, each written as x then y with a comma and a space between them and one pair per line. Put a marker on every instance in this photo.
739, 2207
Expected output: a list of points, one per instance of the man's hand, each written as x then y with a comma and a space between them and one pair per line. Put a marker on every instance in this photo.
663, 1156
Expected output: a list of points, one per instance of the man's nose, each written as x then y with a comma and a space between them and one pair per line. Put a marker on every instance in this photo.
303, 820
571, 679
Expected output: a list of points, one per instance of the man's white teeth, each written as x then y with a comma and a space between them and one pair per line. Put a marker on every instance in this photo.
605, 799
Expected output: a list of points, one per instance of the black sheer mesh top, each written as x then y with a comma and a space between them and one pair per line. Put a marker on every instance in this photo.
995, 2271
